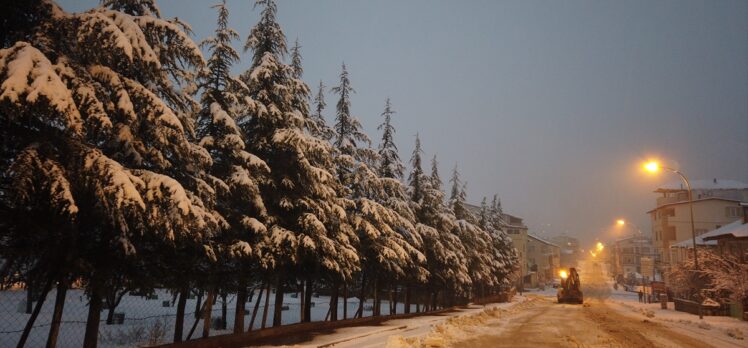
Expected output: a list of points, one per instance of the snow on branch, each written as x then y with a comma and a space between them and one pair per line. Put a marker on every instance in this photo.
29, 77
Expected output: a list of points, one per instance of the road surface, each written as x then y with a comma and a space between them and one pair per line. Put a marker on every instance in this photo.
545, 323
536, 320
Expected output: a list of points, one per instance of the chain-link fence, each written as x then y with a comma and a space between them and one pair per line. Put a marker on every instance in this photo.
148, 319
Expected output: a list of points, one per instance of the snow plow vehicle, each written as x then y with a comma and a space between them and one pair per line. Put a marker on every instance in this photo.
570, 290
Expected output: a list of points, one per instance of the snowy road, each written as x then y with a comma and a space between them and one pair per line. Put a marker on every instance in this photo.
545, 323
607, 319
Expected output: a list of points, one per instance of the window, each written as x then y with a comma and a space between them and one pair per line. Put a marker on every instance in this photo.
733, 212
530, 248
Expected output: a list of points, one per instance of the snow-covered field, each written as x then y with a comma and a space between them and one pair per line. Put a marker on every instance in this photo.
146, 321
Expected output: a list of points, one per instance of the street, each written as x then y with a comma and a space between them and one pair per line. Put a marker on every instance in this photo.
544, 323
547, 324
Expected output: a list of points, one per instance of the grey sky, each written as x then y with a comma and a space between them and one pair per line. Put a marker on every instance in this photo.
550, 104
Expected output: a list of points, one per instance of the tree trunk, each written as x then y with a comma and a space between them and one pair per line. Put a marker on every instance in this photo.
308, 300
29, 297
241, 301
278, 310
197, 320
208, 313
334, 302
345, 301
54, 327
179, 321
35, 313
91, 337
110, 315
257, 307
433, 300
375, 310
267, 304
393, 300
198, 304
407, 300
224, 310
362, 296
301, 296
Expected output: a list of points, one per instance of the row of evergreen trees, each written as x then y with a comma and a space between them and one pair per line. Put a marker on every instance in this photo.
116, 178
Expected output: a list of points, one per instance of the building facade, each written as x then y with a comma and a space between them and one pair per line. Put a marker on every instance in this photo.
715, 203
628, 254
569, 247
732, 239
543, 258
517, 231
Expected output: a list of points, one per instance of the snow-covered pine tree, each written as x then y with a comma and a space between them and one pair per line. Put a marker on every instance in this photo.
389, 245
503, 245
320, 128
95, 82
306, 225
416, 178
134, 7
348, 133
301, 94
296, 68
395, 197
235, 174
390, 165
473, 237
457, 196
483, 217
385, 252
444, 253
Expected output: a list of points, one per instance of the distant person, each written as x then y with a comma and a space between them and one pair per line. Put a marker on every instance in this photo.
641, 296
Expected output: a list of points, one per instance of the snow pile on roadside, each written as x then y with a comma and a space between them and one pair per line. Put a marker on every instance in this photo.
462, 327
715, 326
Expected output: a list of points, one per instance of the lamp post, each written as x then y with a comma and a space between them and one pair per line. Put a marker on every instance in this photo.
654, 167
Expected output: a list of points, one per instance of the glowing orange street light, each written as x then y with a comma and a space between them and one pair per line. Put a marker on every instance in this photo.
621, 222
652, 166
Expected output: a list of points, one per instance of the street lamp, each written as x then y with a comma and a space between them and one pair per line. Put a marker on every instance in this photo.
654, 167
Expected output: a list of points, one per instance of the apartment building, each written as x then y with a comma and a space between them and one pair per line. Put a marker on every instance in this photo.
715, 203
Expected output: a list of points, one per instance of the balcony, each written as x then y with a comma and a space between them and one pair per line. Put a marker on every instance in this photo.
667, 200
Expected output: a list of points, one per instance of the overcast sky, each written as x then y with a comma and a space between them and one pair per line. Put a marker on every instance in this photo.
551, 104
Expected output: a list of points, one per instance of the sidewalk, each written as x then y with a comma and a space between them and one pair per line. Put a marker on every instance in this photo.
377, 336
725, 331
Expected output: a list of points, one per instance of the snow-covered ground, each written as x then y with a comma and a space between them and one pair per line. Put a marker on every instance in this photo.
146, 321
722, 330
